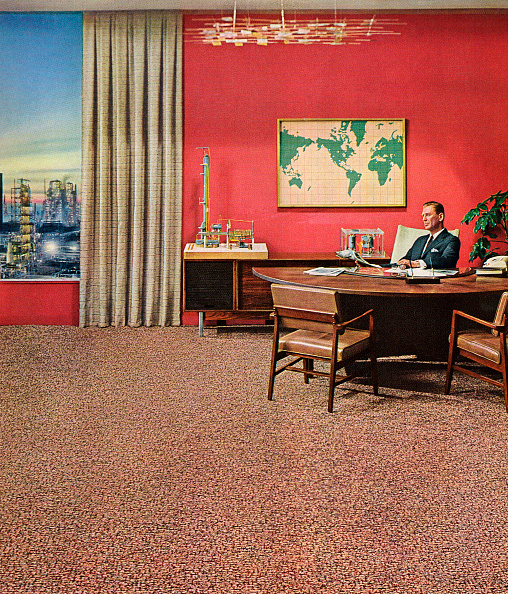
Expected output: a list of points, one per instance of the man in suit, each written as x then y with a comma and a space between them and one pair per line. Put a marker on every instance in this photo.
439, 249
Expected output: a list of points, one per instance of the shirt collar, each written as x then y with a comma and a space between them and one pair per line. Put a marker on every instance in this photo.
436, 234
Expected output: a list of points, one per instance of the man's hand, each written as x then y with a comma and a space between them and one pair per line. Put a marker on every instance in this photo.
408, 264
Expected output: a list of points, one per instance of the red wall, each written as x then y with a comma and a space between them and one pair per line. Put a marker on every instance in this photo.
39, 302
446, 74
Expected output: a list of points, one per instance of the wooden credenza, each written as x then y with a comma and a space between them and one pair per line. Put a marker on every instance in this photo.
219, 283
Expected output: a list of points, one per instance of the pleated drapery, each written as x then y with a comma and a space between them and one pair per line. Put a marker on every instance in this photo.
132, 169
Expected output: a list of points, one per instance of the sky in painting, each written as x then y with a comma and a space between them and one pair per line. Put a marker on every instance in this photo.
40, 99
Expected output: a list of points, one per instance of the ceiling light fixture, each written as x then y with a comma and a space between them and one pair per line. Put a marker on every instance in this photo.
262, 30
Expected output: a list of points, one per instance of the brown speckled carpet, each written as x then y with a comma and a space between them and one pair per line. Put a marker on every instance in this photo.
149, 460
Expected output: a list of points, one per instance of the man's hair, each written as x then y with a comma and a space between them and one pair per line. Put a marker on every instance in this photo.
437, 206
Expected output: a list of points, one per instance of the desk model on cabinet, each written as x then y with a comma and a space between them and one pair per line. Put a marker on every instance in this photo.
219, 283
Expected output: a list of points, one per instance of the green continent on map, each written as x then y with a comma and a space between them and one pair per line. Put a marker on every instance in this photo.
289, 146
385, 155
340, 150
354, 177
357, 127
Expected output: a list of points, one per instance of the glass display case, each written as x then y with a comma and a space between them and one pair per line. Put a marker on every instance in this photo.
367, 242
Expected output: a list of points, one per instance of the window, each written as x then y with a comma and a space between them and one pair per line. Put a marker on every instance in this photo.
40, 144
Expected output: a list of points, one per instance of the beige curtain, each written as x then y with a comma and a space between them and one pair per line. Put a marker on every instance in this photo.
132, 169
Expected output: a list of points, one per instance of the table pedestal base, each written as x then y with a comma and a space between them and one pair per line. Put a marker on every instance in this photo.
408, 326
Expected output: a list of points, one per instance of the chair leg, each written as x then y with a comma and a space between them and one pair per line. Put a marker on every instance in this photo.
308, 365
270, 384
273, 364
331, 387
505, 387
449, 368
452, 353
504, 363
333, 372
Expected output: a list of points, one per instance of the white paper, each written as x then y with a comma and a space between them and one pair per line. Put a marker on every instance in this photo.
425, 272
323, 271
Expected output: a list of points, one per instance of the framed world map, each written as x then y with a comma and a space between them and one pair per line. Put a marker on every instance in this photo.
341, 163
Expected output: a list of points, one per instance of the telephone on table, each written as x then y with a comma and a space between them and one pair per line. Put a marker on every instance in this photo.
495, 266
497, 262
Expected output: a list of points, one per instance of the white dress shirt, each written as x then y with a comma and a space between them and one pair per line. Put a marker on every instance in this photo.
422, 262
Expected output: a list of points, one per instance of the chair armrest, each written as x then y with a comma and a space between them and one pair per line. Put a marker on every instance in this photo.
466, 316
350, 322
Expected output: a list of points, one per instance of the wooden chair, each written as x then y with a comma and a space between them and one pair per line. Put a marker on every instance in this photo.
486, 346
319, 333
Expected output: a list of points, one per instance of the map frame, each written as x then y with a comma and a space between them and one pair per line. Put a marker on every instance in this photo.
341, 193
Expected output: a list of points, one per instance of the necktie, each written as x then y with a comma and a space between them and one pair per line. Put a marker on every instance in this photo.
428, 244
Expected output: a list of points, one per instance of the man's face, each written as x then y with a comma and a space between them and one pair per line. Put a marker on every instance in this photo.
432, 221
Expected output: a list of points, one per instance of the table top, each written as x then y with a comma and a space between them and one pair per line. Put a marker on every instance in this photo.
372, 283
257, 251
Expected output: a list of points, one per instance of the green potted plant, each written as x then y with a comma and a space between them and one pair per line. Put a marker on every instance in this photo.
492, 222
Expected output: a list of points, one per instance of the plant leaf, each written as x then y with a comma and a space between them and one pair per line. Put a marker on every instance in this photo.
480, 249
490, 218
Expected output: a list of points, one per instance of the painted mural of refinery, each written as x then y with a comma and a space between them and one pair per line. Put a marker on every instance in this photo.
39, 239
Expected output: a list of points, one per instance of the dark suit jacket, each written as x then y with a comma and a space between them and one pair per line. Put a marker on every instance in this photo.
443, 253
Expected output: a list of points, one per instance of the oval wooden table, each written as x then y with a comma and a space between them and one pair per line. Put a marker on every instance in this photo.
411, 319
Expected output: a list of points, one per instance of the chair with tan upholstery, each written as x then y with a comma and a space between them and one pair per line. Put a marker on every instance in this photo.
486, 344
318, 333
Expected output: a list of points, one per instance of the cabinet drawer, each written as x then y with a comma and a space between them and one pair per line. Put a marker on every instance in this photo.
253, 292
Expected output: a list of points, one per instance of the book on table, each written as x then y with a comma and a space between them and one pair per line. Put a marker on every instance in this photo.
491, 271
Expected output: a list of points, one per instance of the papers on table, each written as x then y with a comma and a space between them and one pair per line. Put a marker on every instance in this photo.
396, 271
416, 272
323, 271
423, 272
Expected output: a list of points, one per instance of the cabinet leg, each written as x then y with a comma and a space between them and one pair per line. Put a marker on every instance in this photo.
201, 323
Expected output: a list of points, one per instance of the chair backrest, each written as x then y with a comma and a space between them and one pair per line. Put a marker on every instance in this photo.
307, 308
500, 311
405, 238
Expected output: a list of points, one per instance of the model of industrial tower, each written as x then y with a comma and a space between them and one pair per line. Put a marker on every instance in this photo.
226, 232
